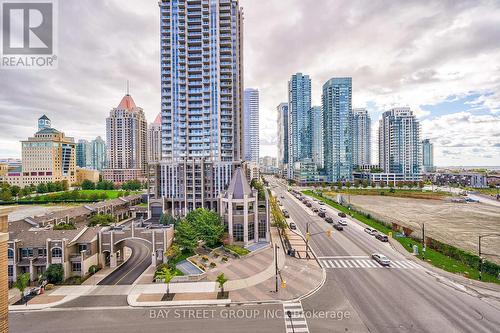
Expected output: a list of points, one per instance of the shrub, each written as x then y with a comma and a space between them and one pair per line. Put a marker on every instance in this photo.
94, 269
64, 226
49, 286
204, 258
213, 265
54, 273
224, 259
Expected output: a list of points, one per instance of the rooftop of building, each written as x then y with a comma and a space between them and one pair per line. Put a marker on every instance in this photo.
239, 187
127, 103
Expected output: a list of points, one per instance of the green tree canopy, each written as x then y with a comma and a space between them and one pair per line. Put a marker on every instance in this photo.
207, 225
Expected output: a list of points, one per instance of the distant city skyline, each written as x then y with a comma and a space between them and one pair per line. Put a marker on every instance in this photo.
455, 95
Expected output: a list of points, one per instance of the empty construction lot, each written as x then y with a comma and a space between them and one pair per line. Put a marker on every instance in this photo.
457, 224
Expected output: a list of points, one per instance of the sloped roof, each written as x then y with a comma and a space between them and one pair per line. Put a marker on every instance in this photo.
127, 103
48, 130
158, 119
44, 117
239, 186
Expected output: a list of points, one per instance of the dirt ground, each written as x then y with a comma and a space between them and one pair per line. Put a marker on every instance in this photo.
457, 224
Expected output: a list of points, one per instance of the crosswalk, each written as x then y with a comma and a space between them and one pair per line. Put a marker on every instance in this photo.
366, 263
296, 322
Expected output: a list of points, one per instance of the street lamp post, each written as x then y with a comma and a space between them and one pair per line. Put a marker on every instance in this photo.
276, 247
289, 314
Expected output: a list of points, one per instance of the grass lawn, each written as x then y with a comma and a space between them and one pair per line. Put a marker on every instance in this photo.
400, 193
111, 194
435, 258
237, 249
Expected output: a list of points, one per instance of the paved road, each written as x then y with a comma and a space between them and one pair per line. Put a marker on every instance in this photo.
406, 298
131, 269
241, 319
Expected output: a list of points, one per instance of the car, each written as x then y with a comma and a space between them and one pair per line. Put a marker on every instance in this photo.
328, 219
309, 204
322, 214
321, 203
322, 209
381, 259
282, 197
370, 231
286, 214
338, 227
382, 238
315, 210
341, 214
343, 222
293, 226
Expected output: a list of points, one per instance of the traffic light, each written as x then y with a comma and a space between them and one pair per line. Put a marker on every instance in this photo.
308, 236
283, 284
329, 233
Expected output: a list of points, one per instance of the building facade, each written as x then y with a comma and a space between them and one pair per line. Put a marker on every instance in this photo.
317, 136
283, 145
428, 156
154, 140
337, 129
361, 137
299, 120
399, 143
83, 154
202, 99
251, 125
48, 156
126, 135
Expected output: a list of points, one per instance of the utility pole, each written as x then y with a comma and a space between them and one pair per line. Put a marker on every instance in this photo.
308, 235
423, 241
276, 264
480, 260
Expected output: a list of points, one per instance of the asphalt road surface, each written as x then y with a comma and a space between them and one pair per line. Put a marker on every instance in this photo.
131, 269
403, 298
241, 319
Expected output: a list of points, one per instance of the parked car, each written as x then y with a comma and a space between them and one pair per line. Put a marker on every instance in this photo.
328, 219
370, 231
315, 210
381, 259
341, 214
293, 226
343, 222
309, 204
322, 209
338, 227
322, 214
321, 203
286, 214
382, 238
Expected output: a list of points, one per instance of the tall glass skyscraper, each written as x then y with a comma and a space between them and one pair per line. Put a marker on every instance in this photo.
201, 101
317, 136
361, 137
283, 145
299, 119
428, 156
399, 143
337, 128
251, 125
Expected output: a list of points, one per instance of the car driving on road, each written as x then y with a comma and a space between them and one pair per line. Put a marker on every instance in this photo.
371, 231
322, 209
338, 227
293, 226
341, 214
322, 214
382, 238
343, 222
286, 214
328, 219
381, 259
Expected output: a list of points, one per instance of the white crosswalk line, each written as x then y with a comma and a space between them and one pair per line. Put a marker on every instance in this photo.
394, 264
355, 263
361, 263
342, 263
331, 262
297, 322
369, 263
377, 264
348, 262
414, 265
325, 263
403, 264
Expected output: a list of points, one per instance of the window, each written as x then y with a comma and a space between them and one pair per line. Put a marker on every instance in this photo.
76, 267
251, 231
82, 247
56, 252
10, 253
238, 232
42, 252
27, 252
11, 270
262, 228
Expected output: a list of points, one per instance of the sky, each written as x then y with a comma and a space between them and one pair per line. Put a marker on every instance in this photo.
441, 58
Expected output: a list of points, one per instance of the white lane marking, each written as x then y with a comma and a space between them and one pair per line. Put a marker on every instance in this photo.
342, 263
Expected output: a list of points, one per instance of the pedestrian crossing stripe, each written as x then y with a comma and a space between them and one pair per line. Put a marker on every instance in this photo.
297, 322
367, 263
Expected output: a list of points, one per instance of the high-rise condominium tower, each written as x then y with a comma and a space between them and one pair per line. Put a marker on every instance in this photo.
201, 106
299, 119
361, 137
126, 133
251, 125
91, 154
154, 140
399, 143
283, 137
428, 156
337, 125
317, 136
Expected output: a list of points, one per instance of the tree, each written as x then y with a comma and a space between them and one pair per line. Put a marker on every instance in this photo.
185, 236
54, 273
166, 275
207, 224
172, 252
339, 185
348, 185
65, 185
5, 195
14, 190
221, 280
101, 219
22, 282
88, 185
167, 219
42, 188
